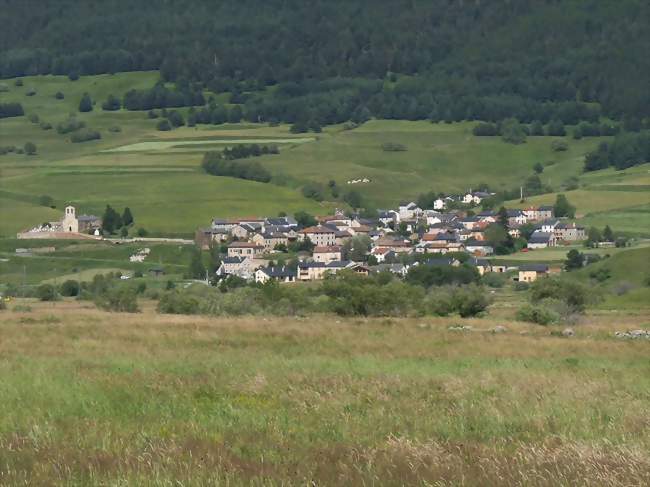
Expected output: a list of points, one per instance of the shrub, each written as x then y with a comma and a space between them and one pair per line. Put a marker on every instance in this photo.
540, 315
85, 135
73, 76
70, 288
45, 200
30, 91
70, 125
3, 305
393, 147
29, 148
622, 287
494, 279
18, 82
142, 232
46, 292
119, 299
470, 300
574, 294
164, 125
114, 129
33, 118
4, 87
46, 126
559, 146
174, 302
59, 95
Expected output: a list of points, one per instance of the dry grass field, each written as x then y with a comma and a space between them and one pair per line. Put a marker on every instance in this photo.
94, 398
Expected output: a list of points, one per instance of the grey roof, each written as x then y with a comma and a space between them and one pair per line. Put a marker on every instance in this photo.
533, 267
540, 237
478, 262
232, 260
440, 261
88, 218
279, 272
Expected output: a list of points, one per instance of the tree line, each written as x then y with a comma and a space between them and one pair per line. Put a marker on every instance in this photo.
626, 150
216, 164
440, 59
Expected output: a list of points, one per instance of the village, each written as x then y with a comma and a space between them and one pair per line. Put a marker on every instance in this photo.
255, 249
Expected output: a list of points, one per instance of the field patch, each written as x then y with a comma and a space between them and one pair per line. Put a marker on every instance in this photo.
203, 144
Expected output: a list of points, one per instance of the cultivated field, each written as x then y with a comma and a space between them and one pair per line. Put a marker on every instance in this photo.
92, 398
157, 173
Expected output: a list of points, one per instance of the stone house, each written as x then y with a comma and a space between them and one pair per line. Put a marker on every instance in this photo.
327, 254
245, 249
531, 272
320, 236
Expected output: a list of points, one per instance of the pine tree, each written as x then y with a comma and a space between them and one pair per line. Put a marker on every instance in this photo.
127, 217
196, 269
574, 260
608, 234
86, 103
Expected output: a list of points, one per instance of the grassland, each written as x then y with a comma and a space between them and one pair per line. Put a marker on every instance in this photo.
157, 173
620, 199
91, 398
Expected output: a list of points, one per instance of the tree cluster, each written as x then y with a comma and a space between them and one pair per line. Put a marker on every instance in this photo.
626, 150
214, 163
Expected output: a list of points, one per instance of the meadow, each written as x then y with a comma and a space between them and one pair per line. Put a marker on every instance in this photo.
157, 174
94, 398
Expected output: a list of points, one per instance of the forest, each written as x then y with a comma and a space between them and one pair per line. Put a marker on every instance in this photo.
321, 62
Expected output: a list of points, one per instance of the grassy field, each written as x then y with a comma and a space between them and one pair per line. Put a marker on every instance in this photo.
157, 173
92, 398
620, 199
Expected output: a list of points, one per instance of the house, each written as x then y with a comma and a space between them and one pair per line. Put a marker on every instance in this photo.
394, 244
321, 236
482, 265
221, 224
531, 272
470, 222
540, 213
327, 254
570, 232
548, 226
386, 217
439, 204
475, 198
280, 274
397, 269
239, 266
516, 217
409, 211
270, 240
157, 271
206, 237
245, 249
281, 221
382, 254
244, 230
442, 262
541, 240
478, 247
315, 271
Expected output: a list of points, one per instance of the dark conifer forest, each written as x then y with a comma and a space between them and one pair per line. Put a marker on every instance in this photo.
325, 61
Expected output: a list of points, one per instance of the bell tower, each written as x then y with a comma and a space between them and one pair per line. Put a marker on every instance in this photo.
70, 223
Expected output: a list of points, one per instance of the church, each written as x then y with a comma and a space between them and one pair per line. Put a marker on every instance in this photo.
82, 224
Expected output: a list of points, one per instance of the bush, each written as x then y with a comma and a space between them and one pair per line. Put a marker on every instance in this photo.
573, 293
73, 76
46, 292
30, 91
85, 135
393, 147
164, 125
70, 288
29, 148
494, 279
540, 315
114, 129
70, 125
46, 126
59, 95
470, 300
4, 87
118, 299
33, 118
46, 200
3, 304
18, 82
559, 146
174, 302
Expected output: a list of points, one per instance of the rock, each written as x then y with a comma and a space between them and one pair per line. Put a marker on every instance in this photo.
459, 328
633, 334
568, 332
499, 329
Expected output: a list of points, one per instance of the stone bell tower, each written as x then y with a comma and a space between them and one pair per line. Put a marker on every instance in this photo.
70, 223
